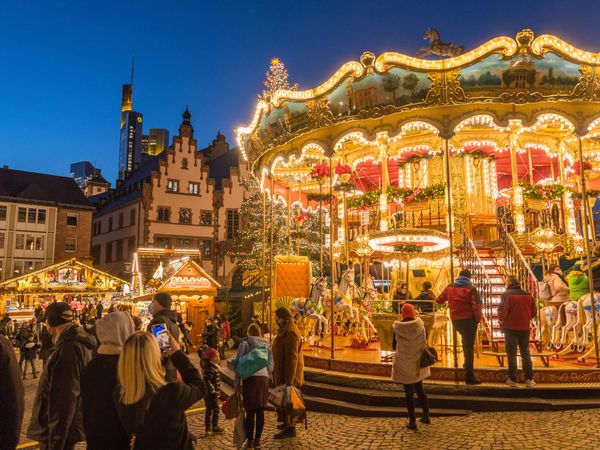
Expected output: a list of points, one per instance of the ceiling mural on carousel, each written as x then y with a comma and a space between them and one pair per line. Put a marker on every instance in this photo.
503, 70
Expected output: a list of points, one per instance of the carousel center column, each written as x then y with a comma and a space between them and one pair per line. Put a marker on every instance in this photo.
382, 145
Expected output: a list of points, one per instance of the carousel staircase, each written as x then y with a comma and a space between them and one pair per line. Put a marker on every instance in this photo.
338, 393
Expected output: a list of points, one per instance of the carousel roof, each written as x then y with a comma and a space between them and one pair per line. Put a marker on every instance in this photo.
541, 90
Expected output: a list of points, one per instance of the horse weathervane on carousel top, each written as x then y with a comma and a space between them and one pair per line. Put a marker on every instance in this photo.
437, 47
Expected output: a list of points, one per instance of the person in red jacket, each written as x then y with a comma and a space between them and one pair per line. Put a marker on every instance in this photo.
517, 308
464, 304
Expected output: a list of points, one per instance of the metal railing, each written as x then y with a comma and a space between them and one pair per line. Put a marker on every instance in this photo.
468, 256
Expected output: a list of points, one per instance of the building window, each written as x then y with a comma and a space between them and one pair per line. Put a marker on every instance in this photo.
131, 245
163, 214
2, 213
205, 248
121, 220
173, 186
31, 215
194, 188
233, 223
119, 251
1, 240
108, 256
99, 231
39, 243
184, 243
41, 218
70, 244
185, 215
110, 224
22, 215
132, 217
72, 219
20, 241
205, 217
162, 242
96, 253
184, 163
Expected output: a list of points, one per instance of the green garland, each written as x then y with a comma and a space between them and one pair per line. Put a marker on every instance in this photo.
408, 248
543, 192
394, 194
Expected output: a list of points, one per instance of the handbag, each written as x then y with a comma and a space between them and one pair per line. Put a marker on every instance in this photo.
233, 405
276, 395
428, 358
239, 431
253, 361
293, 402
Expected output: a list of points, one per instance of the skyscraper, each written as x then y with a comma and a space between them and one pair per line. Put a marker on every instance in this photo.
155, 142
83, 171
130, 147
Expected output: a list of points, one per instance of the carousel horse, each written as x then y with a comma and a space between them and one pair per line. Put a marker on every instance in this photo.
437, 47
586, 319
567, 321
315, 306
365, 308
348, 291
549, 315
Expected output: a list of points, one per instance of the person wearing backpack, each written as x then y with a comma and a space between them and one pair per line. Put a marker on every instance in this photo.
411, 340
255, 388
151, 409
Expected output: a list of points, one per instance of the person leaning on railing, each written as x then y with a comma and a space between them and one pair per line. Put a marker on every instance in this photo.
426, 305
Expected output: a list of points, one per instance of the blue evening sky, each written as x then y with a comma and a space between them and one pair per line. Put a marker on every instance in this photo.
62, 63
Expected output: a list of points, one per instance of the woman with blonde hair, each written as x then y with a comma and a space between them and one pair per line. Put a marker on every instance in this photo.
151, 410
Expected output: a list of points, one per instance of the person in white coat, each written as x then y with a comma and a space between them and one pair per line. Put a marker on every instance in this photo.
411, 340
559, 288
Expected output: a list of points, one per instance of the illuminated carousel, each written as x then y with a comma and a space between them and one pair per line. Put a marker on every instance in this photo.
485, 160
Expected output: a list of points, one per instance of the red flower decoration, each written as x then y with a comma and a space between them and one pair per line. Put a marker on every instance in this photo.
301, 218
341, 169
320, 171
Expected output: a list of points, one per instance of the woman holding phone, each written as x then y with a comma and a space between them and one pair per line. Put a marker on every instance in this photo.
151, 410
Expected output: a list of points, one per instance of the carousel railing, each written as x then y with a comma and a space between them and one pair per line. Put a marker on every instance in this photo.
469, 258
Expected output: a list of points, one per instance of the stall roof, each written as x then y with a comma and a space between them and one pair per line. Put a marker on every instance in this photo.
190, 277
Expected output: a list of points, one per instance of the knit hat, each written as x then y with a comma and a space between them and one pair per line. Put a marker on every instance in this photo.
58, 313
408, 311
209, 353
163, 299
465, 273
112, 332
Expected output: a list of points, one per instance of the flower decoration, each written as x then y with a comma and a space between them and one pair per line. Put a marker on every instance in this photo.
342, 169
577, 166
301, 218
320, 171
543, 191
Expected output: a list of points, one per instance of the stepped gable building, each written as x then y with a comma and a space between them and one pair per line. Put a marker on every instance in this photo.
44, 219
172, 201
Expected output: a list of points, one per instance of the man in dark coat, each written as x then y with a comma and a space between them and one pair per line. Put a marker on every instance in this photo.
56, 418
28, 344
12, 402
162, 313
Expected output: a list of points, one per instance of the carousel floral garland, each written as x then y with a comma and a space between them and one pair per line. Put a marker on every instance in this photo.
543, 192
408, 248
394, 193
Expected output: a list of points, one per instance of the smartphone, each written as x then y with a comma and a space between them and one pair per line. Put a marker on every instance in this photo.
162, 336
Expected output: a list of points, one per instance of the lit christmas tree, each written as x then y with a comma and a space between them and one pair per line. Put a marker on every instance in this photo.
276, 78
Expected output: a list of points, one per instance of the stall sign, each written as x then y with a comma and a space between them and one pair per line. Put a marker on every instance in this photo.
189, 282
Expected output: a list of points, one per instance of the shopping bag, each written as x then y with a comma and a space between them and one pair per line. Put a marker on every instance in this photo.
232, 406
429, 357
239, 431
276, 395
252, 362
293, 402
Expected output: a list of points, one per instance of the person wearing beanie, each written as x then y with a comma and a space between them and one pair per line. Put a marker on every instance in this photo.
465, 308
578, 283
288, 363
515, 312
56, 419
161, 311
212, 380
425, 305
410, 340
103, 430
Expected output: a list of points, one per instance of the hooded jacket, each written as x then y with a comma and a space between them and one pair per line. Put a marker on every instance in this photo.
410, 342
56, 417
12, 401
169, 318
463, 300
578, 285
287, 355
516, 309
558, 288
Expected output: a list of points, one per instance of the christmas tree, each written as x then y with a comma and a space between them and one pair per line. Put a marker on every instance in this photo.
276, 78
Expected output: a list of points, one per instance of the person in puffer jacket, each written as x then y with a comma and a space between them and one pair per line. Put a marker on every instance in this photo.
578, 283
464, 304
212, 379
517, 308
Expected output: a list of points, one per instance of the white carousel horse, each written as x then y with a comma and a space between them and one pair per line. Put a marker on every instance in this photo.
316, 306
347, 291
586, 319
365, 309
568, 311
549, 315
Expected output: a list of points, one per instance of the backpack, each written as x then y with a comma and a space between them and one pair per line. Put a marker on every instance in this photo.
544, 289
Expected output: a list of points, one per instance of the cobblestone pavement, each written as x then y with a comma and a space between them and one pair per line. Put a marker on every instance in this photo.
495, 430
